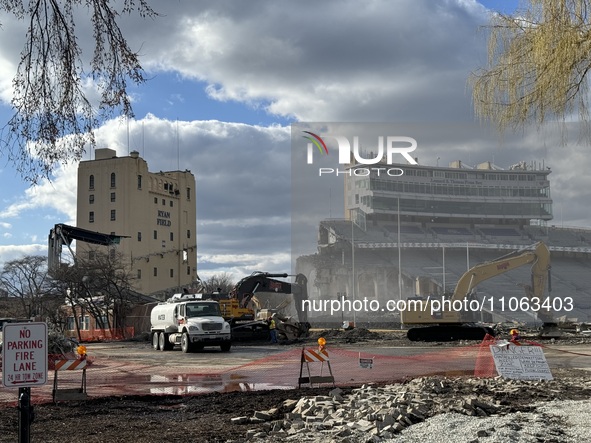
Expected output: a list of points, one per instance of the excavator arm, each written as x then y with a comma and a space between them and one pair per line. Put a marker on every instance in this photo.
246, 288
242, 317
538, 257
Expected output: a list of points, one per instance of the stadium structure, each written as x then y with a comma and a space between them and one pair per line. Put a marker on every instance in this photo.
417, 232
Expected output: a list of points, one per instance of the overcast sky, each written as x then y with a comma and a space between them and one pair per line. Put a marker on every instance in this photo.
229, 77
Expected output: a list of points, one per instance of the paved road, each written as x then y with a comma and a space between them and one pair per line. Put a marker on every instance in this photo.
142, 353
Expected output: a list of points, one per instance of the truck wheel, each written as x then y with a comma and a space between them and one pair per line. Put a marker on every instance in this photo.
226, 347
155, 341
162, 341
186, 343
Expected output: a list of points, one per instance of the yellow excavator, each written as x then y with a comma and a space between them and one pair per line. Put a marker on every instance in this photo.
246, 325
452, 318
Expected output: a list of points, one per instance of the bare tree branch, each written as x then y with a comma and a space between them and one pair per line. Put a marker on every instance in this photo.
539, 59
53, 120
27, 280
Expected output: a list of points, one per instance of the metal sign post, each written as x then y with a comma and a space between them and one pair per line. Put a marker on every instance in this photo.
25, 415
24, 364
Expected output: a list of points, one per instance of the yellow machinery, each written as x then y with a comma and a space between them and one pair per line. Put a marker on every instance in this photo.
245, 325
450, 316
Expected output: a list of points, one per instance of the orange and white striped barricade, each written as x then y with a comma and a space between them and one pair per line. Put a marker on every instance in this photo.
70, 393
315, 356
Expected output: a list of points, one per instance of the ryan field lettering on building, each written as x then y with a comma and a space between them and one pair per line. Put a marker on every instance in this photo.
163, 218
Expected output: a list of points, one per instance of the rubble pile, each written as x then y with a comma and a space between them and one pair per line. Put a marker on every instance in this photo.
378, 413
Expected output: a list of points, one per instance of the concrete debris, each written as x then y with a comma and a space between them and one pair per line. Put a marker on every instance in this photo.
378, 413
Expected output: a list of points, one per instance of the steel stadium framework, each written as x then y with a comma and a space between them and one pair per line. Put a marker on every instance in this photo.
416, 234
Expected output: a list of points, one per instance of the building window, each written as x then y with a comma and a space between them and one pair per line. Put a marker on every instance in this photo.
139, 274
171, 236
188, 270
91, 182
112, 197
70, 325
156, 200
91, 199
171, 203
155, 235
113, 215
188, 233
139, 236
163, 202
155, 272
171, 273
188, 193
91, 217
102, 320
139, 182
113, 182
84, 322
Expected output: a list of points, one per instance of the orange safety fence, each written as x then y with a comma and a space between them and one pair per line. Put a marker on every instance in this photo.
278, 370
485, 364
98, 335
283, 369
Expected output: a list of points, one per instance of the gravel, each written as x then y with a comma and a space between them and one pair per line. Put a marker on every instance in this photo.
556, 421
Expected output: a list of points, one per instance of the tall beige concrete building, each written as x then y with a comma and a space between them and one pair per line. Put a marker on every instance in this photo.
157, 211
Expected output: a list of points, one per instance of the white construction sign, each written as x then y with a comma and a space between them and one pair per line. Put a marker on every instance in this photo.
366, 363
520, 362
24, 355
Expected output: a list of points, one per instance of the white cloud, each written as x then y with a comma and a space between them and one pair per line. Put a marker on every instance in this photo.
241, 265
404, 61
59, 195
14, 252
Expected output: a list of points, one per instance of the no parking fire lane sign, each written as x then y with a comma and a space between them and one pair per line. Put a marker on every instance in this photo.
24, 355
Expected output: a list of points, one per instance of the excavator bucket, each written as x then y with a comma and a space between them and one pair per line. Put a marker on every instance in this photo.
289, 329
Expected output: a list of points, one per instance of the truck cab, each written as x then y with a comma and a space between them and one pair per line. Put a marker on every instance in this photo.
191, 323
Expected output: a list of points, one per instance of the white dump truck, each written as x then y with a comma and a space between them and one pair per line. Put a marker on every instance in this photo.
190, 322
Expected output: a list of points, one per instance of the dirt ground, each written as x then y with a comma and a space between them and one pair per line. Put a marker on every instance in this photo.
207, 418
